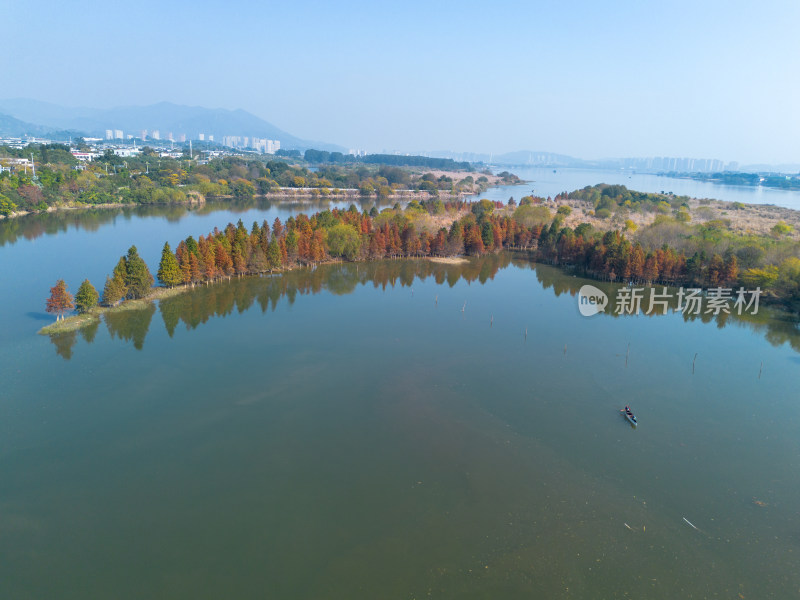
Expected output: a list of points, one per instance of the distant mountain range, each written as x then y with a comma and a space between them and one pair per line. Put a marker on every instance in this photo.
26, 117
13, 127
19, 116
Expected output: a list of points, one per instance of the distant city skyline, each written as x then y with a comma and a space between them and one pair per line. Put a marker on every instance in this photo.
594, 80
263, 145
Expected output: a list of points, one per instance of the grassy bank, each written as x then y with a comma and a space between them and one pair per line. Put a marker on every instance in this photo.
76, 322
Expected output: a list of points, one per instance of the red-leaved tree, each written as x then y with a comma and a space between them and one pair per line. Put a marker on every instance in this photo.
60, 300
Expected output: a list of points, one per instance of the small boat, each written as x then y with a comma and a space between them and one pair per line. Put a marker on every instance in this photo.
629, 415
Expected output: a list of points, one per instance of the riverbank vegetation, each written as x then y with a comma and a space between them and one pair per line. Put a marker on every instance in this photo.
614, 206
149, 178
612, 233
770, 180
668, 251
399, 160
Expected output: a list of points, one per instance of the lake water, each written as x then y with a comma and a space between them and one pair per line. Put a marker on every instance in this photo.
350, 432
547, 182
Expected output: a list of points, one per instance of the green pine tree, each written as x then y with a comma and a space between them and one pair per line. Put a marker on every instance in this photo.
138, 278
169, 271
121, 274
191, 244
86, 298
274, 254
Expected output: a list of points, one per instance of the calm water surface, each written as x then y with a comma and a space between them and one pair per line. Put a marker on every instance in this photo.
349, 432
547, 182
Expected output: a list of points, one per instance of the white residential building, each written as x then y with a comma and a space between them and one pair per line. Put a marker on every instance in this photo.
126, 152
84, 156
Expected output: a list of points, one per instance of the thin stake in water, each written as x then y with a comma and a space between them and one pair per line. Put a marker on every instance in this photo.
693, 361
690, 524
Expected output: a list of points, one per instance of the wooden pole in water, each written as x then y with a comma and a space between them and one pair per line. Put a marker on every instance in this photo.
491, 321
693, 361
465, 306
565, 349
761, 368
436, 300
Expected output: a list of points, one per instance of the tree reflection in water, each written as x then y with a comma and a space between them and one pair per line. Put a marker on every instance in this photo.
197, 306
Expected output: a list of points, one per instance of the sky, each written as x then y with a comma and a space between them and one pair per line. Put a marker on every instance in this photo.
591, 79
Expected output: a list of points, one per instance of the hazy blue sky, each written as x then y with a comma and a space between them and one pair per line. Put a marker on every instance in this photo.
586, 78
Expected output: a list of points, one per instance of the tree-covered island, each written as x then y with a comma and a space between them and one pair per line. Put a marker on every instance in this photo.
669, 250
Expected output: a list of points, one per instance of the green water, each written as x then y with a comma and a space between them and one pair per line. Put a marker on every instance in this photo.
349, 432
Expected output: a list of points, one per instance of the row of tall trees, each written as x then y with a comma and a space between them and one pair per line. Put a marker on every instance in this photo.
475, 229
193, 309
351, 235
613, 257
334, 234
190, 310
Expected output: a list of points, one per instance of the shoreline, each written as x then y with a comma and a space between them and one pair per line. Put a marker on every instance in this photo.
79, 321
285, 193
447, 260
76, 322
720, 181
